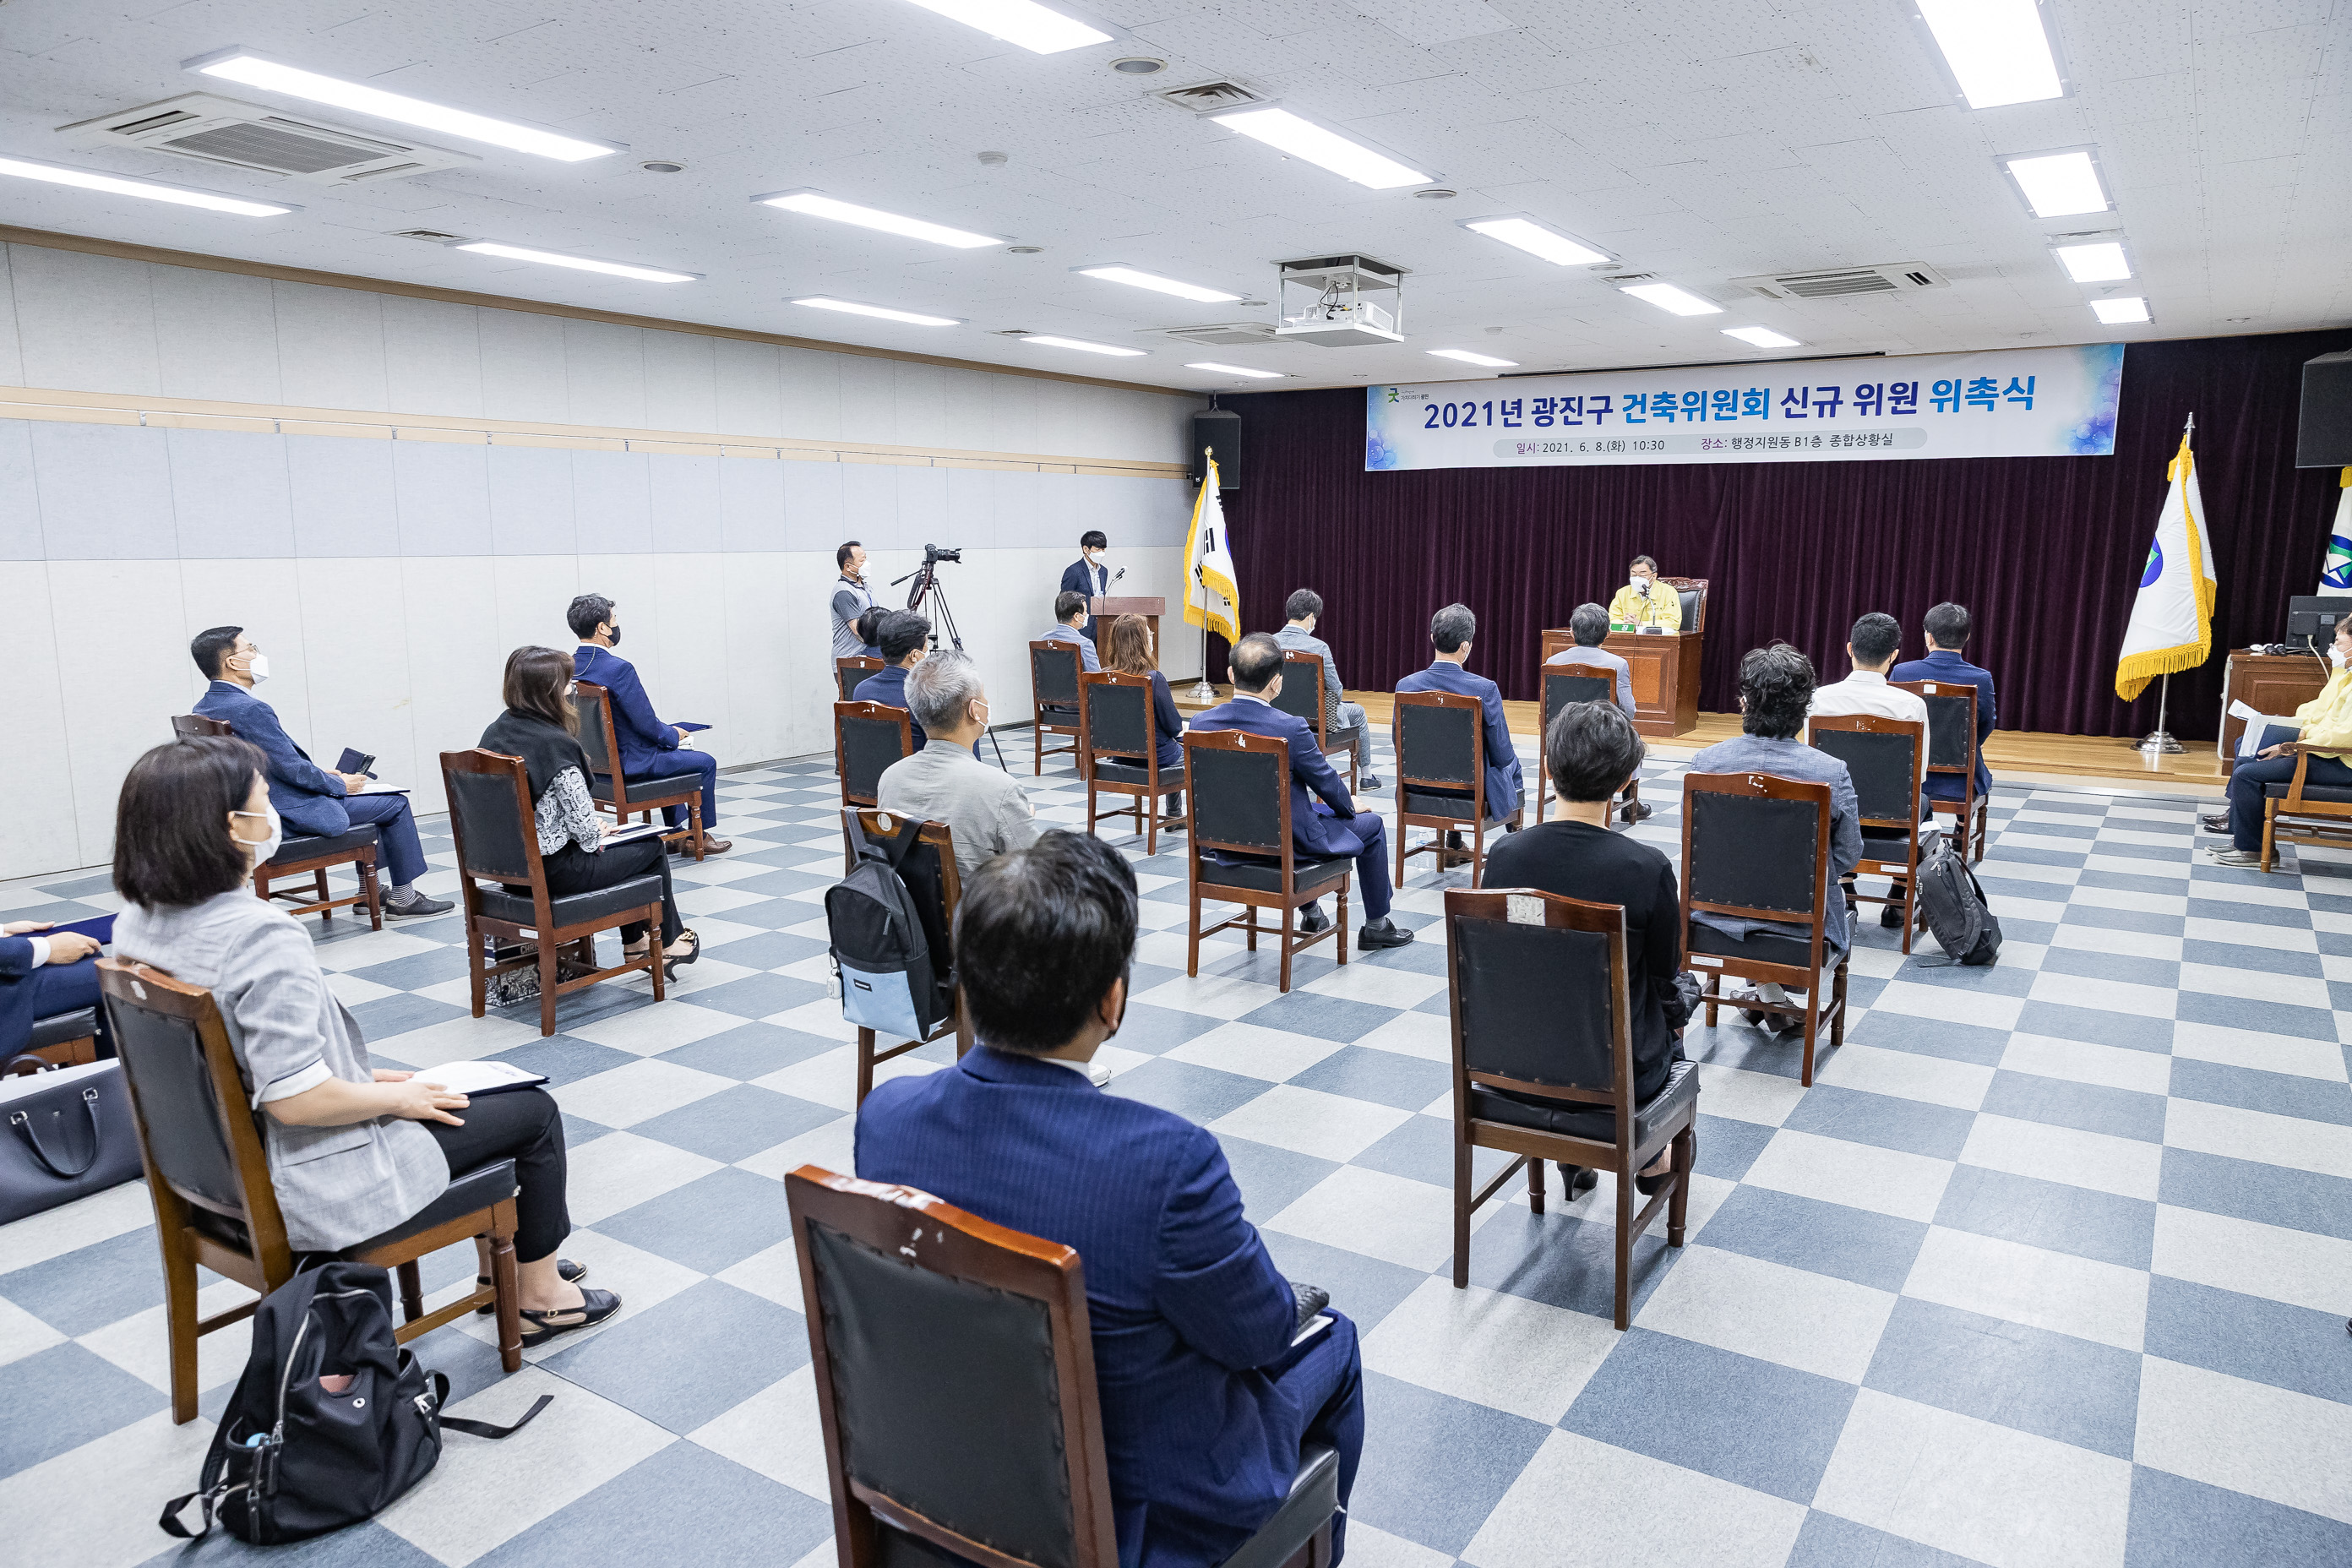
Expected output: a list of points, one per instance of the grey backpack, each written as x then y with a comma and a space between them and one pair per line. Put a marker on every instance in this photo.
892, 961
1953, 903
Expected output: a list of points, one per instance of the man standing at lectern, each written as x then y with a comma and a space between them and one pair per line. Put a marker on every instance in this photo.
1089, 575
1645, 602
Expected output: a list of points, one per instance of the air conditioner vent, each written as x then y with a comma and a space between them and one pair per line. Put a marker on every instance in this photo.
246, 136
1844, 282
1212, 95
429, 236
1230, 334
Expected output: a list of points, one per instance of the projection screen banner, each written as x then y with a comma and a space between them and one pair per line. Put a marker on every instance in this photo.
2010, 403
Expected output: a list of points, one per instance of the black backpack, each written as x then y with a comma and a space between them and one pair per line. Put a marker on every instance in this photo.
888, 952
1953, 903
332, 1419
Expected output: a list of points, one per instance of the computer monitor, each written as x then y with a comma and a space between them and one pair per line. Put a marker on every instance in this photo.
2314, 616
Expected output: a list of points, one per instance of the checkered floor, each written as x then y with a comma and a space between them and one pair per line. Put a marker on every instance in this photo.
2050, 1266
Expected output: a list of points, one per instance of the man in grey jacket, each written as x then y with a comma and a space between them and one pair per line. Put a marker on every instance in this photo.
985, 807
1304, 607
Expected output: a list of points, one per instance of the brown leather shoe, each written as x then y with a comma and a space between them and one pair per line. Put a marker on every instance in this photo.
713, 845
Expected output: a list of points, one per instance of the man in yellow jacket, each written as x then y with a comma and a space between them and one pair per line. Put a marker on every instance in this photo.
2324, 722
1644, 601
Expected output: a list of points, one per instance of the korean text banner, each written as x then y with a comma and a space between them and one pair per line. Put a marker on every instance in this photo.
2021, 403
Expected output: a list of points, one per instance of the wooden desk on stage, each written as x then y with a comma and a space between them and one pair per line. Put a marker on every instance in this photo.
1105, 611
1664, 674
2276, 684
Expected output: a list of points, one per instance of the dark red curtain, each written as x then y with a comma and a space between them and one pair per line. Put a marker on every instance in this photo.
2046, 552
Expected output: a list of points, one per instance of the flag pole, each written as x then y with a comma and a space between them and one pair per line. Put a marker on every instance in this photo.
1202, 692
2160, 741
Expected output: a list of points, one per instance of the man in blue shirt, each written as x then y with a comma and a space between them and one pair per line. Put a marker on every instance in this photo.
1070, 625
903, 635
1451, 631
312, 801
1588, 624
649, 748
1206, 1398
1948, 626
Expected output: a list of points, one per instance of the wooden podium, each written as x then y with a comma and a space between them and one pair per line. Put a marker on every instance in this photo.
1105, 611
2268, 683
1664, 670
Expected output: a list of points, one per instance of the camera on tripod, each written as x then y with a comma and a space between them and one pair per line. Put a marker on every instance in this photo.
933, 552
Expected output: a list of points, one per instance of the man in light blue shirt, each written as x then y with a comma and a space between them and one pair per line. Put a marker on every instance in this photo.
1589, 625
1304, 608
1070, 626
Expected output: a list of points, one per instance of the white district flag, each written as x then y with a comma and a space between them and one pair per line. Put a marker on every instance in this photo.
2336, 572
2171, 625
1211, 598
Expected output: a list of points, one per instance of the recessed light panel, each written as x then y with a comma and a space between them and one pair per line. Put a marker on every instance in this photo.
1667, 297
1526, 234
1082, 345
1240, 370
882, 312
1467, 357
149, 190
1762, 337
1287, 132
2058, 185
1137, 280
259, 70
1998, 49
1024, 22
2100, 261
577, 263
2121, 313
815, 203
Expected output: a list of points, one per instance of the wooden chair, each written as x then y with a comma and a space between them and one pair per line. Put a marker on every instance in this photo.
491, 818
209, 1175
1952, 749
929, 871
1883, 755
1054, 670
1441, 764
1116, 727
1302, 696
1561, 685
847, 672
1241, 805
955, 1386
868, 737
1758, 848
1693, 591
1543, 1062
624, 796
59, 1040
2298, 811
308, 855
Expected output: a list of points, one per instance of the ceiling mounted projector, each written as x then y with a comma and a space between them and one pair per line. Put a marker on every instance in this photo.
1340, 302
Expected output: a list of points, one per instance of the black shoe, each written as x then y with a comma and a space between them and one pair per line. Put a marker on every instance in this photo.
1311, 919
1648, 1185
595, 1306
1382, 932
571, 1273
1890, 916
1454, 842
1635, 811
417, 904
1579, 1180
2218, 822
1369, 781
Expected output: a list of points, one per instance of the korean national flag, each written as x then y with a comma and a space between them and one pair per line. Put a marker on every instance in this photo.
2336, 572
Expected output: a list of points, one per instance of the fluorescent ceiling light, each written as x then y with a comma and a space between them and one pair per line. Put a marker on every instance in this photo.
883, 313
1135, 279
1467, 357
1281, 130
1236, 370
1667, 297
1998, 49
1082, 345
1022, 22
1536, 240
1762, 337
2058, 185
2121, 313
258, 70
117, 185
2100, 262
814, 204
580, 263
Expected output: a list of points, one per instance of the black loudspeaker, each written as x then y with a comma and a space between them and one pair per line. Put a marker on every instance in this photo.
2322, 437
1221, 429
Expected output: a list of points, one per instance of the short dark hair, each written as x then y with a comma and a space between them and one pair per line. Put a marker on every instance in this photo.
1590, 750
869, 626
1649, 560
1256, 660
535, 681
1302, 602
588, 611
209, 647
1453, 626
900, 634
841, 556
1948, 624
1875, 638
1776, 688
1094, 539
1041, 936
1589, 625
1066, 604
171, 843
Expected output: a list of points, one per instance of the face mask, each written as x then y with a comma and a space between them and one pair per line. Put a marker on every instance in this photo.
613, 633
264, 848
257, 666
2336, 655
1639, 585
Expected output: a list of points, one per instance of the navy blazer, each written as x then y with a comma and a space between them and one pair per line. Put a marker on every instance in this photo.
1077, 577
1504, 782
310, 799
1944, 664
888, 686
644, 737
15, 995
1183, 1297
1310, 775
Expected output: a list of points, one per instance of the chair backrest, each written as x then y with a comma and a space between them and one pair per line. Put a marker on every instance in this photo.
1053, 674
491, 818
196, 1131
928, 1325
1883, 755
1540, 998
1565, 684
1115, 715
594, 703
1951, 724
1241, 792
1693, 591
1440, 739
868, 737
1756, 845
930, 872
847, 672
1302, 689
191, 725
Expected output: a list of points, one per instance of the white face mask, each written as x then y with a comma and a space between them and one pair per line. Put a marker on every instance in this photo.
257, 666
1639, 585
2336, 655
263, 848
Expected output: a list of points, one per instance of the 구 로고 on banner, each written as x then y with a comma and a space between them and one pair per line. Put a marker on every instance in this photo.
2023, 402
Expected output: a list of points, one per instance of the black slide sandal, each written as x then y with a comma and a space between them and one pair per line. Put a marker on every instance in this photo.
595, 1306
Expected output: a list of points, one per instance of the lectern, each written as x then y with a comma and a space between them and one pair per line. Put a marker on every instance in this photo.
1664, 667
1105, 611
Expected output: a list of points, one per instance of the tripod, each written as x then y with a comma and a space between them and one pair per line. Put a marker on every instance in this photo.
927, 585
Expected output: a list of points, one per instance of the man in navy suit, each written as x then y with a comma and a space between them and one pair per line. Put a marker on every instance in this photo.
903, 636
41, 977
1320, 828
1948, 626
1087, 575
1450, 633
1205, 1399
649, 748
309, 800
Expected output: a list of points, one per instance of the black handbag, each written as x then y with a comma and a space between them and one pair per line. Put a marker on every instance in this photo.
69, 1134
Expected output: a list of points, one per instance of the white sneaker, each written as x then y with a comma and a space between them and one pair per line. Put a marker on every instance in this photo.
2251, 857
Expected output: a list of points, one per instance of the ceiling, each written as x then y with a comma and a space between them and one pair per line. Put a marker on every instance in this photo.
1700, 141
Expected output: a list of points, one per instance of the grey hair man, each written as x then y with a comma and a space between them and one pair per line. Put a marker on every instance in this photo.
1589, 625
985, 807
1305, 609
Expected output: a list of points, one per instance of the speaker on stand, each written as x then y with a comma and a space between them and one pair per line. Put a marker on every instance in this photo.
1220, 429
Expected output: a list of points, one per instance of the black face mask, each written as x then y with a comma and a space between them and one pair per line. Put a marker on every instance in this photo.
613, 633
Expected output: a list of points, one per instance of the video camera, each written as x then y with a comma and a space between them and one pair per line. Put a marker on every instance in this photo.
933, 553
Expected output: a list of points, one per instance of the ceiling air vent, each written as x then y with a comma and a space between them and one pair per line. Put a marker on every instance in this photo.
1841, 282
248, 136
1212, 95
1230, 334
429, 236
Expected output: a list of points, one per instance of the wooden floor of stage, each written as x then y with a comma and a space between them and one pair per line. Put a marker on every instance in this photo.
2019, 755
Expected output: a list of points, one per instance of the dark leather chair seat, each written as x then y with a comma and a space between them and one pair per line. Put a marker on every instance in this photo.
1765, 946
476, 1189
1884, 838
1336, 737
1110, 772
294, 851
1594, 1122
1425, 803
59, 1027
1314, 1499
1265, 877
649, 784
2334, 795
506, 904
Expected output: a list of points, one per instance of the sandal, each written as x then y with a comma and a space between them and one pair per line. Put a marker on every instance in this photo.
595, 1306
670, 966
571, 1273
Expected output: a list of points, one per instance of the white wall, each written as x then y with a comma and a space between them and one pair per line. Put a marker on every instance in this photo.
389, 579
